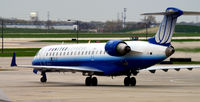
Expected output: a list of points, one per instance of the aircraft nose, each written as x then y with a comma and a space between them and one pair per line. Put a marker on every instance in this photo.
169, 51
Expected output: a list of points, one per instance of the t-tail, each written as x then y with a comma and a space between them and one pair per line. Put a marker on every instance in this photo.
167, 26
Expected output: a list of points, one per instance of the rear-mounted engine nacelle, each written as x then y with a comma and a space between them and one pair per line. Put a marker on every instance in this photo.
117, 48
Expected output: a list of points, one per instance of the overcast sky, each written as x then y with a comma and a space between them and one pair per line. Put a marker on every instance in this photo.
93, 10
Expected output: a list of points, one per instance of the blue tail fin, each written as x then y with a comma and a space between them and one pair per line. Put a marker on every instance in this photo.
166, 29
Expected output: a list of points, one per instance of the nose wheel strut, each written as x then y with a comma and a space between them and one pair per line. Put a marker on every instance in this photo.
43, 79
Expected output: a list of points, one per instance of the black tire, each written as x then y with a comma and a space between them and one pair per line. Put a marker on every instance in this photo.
133, 81
127, 81
88, 81
94, 81
43, 79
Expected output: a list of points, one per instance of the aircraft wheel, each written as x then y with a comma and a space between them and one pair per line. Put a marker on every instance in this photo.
133, 81
43, 79
126, 81
88, 81
94, 81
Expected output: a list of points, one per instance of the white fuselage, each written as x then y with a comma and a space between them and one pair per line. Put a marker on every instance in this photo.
143, 54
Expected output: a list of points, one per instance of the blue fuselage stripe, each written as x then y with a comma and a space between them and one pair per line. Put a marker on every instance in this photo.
108, 64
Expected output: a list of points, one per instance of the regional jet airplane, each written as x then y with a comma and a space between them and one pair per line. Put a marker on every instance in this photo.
113, 58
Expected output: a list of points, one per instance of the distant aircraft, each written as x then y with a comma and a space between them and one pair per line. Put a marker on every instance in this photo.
114, 58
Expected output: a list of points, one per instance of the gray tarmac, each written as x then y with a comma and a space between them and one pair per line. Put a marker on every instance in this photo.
21, 85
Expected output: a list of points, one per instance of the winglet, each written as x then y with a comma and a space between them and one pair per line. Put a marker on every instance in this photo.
13, 63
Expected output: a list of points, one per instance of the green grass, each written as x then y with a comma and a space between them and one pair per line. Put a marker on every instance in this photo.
185, 40
187, 28
70, 41
20, 52
195, 50
178, 28
186, 34
32, 30
93, 41
68, 35
86, 35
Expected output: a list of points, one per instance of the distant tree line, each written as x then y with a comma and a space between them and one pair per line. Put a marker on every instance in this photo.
108, 26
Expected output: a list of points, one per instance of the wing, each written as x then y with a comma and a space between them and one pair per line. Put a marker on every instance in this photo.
61, 68
165, 68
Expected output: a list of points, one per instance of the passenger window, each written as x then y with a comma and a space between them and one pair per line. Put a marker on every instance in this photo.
82, 52
64, 53
71, 53
92, 52
47, 54
89, 53
85, 52
79, 53
100, 52
60, 53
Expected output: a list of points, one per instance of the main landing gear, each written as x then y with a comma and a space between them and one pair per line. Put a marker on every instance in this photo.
129, 81
91, 81
43, 79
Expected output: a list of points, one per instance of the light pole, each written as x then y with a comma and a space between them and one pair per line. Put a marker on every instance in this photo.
2, 34
146, 30
77, 29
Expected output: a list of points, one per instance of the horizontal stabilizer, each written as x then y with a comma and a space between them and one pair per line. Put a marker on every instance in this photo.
158, 13
173, 12
190, 13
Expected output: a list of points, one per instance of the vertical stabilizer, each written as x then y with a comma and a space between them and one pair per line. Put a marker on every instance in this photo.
167, 26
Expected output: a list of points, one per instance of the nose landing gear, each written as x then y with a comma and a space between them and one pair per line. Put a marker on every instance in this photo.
43, 79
